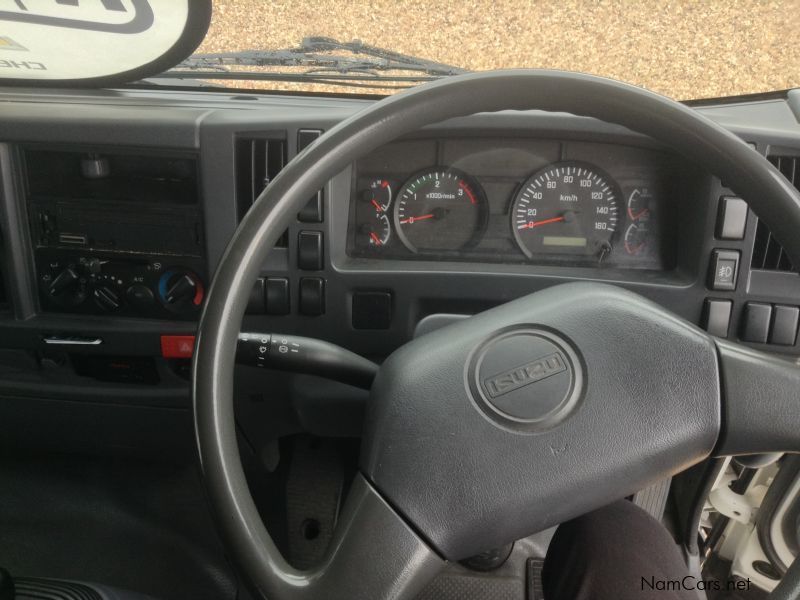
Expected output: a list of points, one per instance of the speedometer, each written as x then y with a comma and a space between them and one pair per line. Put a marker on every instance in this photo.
566, 208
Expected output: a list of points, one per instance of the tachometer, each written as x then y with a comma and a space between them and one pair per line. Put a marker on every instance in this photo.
441, 209
566, 208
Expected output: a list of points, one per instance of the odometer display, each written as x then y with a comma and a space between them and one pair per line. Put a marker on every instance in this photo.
440, 210
568, 208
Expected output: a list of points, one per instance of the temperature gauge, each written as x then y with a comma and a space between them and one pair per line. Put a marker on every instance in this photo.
379, 194
639, 204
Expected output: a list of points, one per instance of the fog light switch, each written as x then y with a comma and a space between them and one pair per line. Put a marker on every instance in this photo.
724, 270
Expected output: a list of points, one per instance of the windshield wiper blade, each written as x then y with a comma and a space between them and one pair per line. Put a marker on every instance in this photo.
365, 63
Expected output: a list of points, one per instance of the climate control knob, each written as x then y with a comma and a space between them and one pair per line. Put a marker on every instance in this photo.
180, 289
106, 298
67, 288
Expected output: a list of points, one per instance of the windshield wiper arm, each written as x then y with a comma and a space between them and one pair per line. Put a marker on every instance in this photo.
365, 63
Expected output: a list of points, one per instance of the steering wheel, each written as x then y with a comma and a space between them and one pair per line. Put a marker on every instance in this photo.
518, 418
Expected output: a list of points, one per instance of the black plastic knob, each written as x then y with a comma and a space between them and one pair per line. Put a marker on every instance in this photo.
180, 289
140, 296
64, 282
106, 298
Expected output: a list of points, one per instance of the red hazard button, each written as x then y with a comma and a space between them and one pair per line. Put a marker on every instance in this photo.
177, 346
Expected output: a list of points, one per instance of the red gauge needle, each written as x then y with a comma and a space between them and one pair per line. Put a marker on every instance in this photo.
411, 220
532, 224
376, 205
375, 239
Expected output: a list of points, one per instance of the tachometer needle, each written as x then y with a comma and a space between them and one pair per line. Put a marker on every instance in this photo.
532, 224
411, 220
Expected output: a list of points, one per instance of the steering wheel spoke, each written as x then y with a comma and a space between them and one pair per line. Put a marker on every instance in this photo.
760, 402
373, 555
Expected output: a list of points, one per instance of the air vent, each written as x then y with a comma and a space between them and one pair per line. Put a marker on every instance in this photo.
768, 254
258, 161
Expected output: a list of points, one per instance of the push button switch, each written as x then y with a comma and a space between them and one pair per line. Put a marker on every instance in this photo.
309, 250
724, 270
717, 317
312, 212
306, 137
784, 325
732, 218
372, 310
755, 322
255, 304
277, 295
312, 296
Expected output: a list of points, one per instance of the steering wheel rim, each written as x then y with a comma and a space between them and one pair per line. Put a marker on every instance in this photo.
687, 132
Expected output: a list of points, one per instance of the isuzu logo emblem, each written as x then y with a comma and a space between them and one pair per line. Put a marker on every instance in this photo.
523, 375
542, 387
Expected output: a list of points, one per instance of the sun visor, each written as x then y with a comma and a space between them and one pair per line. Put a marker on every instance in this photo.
96, 42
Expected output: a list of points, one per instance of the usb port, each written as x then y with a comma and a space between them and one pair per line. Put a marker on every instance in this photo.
71, 239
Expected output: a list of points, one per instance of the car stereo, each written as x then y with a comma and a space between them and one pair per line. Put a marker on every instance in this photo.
116, 233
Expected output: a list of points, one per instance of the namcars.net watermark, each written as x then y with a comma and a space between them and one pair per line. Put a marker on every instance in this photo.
693, 583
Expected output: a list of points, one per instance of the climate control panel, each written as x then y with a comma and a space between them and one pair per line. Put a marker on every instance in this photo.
164, 287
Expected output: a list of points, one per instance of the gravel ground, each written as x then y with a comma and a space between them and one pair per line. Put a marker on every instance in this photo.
684, 49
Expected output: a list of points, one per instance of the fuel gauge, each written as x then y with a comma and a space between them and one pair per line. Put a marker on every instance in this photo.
636, 238
377, 230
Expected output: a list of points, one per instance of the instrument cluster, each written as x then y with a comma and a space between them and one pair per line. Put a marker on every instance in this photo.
567, 211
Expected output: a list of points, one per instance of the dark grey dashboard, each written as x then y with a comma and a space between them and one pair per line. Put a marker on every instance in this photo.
358, 267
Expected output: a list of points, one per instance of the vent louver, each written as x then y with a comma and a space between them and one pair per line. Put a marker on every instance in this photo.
258, 161
768, 254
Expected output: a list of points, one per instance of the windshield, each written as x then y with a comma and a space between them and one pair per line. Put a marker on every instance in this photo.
683, 49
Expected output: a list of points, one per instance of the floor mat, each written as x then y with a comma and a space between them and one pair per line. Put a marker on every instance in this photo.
124, 523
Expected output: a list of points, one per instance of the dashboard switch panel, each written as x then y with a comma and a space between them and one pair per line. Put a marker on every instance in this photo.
309, 250
784, 325
755, 322
732, 218
724, 270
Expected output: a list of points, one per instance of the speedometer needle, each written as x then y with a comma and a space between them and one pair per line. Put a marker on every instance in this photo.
411, 220
532, 224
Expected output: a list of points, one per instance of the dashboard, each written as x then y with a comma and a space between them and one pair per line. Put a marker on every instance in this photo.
116, 206
533, 201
